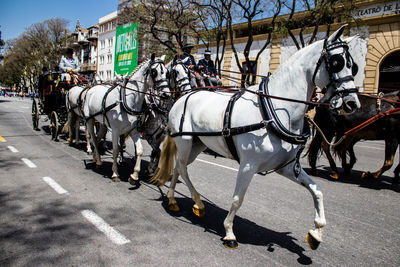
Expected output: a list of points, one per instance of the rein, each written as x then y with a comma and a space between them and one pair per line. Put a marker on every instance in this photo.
358, 127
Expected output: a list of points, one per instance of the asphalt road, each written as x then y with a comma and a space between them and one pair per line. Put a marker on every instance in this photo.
56, 209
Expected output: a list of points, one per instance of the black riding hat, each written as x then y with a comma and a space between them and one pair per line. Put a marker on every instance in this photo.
187, 46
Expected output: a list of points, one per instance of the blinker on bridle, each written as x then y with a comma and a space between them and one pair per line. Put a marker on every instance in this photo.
153, 74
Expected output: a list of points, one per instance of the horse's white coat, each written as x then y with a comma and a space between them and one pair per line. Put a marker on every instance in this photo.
120, 122
259, 150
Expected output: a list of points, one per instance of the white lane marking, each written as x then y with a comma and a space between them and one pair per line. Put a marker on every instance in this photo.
29, 163
115, 236
13, 149
215, 164
53, 184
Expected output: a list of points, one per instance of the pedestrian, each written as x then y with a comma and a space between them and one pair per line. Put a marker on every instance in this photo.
207, 67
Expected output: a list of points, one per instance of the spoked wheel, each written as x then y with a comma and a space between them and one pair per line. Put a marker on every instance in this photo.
35, 115
54, 126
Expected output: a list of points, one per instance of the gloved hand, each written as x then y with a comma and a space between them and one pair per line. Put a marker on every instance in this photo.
74, 71
69, 69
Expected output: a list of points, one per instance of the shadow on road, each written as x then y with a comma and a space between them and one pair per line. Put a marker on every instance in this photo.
38, 233
384, 182
247, 232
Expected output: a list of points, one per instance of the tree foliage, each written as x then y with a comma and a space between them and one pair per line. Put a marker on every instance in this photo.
39, 46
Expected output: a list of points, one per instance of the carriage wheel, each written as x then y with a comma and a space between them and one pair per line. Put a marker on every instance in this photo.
35, 115
54, 126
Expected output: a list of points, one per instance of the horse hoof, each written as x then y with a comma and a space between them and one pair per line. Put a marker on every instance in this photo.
116, 179
69, 141
89, 153
334, 175
231, 244
132, 181
198, 212
173, 207
365, 175
312, 242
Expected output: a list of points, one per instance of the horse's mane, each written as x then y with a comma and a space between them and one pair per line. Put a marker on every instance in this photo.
139, 67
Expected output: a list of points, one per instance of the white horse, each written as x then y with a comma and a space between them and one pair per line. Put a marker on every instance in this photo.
119, 107
179, 77
76, 98
196, 121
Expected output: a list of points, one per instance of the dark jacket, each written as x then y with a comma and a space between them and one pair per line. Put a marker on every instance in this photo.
190, 61
209, 68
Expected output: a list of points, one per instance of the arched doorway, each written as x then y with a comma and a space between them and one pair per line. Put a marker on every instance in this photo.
389, 73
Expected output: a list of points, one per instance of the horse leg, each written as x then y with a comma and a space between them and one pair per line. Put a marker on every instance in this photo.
134, 178
334, 174
390, 151
242, 183
185, 153
314, 236
397, 171
88, 146
353, 159
93, 140
115, 142
197, 148
71, 115
77, 131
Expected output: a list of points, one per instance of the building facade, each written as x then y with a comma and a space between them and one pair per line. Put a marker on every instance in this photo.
106, 47
84, 43
377, 51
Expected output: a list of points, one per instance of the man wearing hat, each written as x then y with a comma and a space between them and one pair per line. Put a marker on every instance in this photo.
206, 65
196, 79
69, 64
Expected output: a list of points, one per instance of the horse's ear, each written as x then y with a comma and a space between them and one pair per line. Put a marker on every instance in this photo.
162, 58
153, 56
336, 35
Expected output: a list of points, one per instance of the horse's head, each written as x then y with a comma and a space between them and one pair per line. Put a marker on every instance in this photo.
156, 77
156, 80
336, 69
179, 76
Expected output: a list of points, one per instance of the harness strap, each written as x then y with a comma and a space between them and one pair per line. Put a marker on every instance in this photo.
226, 130
104, 109
276, 125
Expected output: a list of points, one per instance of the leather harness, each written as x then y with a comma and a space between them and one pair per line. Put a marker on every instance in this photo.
270, 118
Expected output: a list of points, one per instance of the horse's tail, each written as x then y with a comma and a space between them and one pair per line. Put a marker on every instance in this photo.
167, 160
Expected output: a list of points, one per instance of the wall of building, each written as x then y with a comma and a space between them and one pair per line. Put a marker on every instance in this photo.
377, 38
106, 46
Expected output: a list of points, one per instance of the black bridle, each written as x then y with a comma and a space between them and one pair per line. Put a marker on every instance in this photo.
152, 72
185, 81
334, 64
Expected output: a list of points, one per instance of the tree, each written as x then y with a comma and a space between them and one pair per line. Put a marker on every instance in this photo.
163, 24
40, 45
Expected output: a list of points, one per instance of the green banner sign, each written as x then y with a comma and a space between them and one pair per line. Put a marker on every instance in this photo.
126, 48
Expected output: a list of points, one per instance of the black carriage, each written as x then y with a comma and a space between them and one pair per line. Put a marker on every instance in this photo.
50, 102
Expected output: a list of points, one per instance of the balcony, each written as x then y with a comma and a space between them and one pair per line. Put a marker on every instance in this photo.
93, 36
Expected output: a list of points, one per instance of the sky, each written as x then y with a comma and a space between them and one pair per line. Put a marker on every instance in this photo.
17, 15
